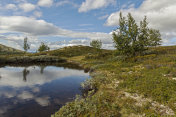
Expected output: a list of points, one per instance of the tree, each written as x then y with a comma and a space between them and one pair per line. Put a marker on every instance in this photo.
96, 44
143, 36
155, 37
43, 47
131, 39
26, 45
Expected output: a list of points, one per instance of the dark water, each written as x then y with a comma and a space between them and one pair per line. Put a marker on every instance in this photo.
37, 91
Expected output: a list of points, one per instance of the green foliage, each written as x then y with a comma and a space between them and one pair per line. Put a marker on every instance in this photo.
149, 77
155, 37
96, 44
26, 45
151, 83
131, 39
43, 47
95, 106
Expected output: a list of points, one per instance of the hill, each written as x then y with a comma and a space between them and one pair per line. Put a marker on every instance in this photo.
128, 87
73, 51
8, 50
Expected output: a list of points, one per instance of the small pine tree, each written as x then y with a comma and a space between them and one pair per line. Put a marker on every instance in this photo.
131, 39
43, 47
26, 45
96, 44
143, 37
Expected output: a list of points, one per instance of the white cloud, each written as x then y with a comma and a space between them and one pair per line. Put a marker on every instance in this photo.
37, 14
64, 2
107, 44
35, 27
161, 15
95, 4
103, 17
11, 6
27, 7
45, 3
61, 44
26, 25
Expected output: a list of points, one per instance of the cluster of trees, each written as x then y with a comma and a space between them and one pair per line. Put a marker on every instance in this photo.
42, 47
131, 39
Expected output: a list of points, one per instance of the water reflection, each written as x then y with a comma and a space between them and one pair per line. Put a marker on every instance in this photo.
25, 73
45, 88
42, 69
10, 76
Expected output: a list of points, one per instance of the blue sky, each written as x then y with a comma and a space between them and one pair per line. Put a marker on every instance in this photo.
67, 15
62, 23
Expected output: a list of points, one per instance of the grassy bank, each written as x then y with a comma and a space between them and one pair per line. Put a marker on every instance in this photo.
120, 86
26, 59
10, 55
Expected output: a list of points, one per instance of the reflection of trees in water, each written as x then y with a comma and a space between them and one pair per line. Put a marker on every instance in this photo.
42, 69
25, 73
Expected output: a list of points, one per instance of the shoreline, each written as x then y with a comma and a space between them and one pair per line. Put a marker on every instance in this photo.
30, 59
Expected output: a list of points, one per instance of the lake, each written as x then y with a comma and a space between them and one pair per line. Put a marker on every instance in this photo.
37, 91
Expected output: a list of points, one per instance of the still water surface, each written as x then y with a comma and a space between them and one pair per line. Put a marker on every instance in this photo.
37, 91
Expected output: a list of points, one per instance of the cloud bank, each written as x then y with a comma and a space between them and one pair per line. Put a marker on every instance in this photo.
36, 28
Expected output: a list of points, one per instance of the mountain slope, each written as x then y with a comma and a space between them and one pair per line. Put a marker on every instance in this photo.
5, 49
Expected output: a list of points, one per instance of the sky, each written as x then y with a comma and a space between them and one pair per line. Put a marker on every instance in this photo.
60, 23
